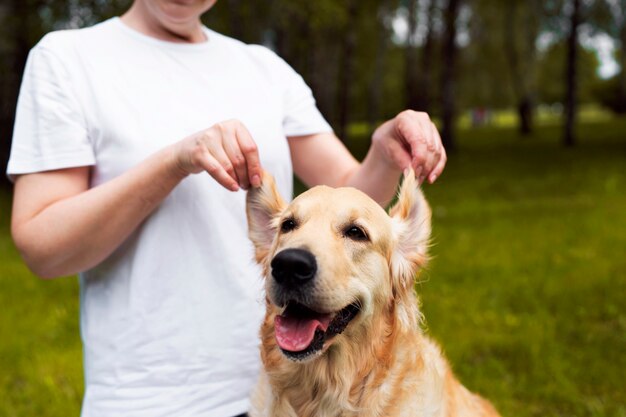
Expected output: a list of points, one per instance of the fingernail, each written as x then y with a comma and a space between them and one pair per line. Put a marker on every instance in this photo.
255, 181
422, 178
234, 187
433, 178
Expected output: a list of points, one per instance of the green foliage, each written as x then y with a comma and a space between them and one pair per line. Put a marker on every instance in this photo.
525, 291
551, 69
611, 94
497, 66
502, 52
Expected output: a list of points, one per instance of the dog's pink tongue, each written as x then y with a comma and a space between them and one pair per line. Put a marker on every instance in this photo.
295, 334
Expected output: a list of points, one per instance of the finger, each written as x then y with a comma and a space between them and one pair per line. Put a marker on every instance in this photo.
430, 160
216, 149
419, 160
251, 155
436, 172
234, 154
217, 171
433, 152
441, 157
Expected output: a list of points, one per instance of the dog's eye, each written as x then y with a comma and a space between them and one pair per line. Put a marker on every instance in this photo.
288, 225
355, 233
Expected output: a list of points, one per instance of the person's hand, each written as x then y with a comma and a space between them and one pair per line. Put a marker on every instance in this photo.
226, 151
411, 140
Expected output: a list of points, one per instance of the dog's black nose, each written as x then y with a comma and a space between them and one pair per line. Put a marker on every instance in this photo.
293, 267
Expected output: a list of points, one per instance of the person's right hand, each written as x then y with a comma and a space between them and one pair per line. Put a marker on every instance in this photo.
226, 151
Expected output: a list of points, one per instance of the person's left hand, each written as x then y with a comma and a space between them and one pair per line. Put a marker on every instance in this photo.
411, 140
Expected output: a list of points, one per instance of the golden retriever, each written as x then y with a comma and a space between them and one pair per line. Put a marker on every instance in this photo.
342, 335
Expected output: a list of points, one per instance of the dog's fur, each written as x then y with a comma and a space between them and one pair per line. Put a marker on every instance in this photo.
382, 364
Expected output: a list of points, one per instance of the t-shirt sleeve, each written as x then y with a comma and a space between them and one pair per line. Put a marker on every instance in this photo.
50, 130
300, 114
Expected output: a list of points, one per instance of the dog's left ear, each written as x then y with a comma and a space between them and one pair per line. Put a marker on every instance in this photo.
411, 227
263, 207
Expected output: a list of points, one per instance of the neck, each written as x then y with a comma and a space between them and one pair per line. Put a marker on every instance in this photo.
139, 18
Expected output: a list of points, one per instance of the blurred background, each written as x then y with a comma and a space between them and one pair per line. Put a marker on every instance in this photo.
527, 287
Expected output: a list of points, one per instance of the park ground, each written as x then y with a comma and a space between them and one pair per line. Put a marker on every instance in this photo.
526, 290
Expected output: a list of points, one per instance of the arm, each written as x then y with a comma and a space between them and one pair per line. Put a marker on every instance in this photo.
62, 227
323, 159
408, 140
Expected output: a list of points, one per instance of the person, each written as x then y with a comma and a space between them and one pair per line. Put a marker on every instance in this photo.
134, 142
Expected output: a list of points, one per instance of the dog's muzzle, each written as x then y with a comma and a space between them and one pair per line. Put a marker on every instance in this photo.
300, 330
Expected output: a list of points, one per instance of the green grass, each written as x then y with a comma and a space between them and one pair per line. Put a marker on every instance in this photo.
526, 292
40, 350
527, 288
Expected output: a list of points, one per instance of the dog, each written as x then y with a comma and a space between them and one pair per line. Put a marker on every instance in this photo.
342, 333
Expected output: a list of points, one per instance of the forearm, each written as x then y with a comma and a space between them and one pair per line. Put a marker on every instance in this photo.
76, 233
313, 155
376, 177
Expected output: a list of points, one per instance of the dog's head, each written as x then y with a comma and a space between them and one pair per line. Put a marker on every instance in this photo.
333, 260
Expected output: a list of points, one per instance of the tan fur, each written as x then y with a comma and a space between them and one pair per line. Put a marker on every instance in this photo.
382, 365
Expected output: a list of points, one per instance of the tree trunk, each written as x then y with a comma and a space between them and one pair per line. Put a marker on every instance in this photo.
375, 88
622, 60
427, 57
448, 75
522, 96
411, 59
525, 114
346, 71
571, 75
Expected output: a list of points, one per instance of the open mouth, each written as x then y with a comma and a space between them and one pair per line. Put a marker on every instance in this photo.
301, 332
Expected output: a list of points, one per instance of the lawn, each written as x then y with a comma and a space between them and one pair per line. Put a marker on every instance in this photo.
526, 290
40, 351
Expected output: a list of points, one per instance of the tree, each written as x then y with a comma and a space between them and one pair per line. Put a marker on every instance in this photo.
566, 19
426, 68
520, 50
411, 57
571, 73
449, 56
551, 66
419, 58
614, 24
618, 8
503, 53
347, 67
376, 83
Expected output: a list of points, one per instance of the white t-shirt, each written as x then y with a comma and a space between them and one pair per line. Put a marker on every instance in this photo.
170, 320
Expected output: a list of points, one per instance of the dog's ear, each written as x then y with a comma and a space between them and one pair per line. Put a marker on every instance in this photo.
263, 207
411, 227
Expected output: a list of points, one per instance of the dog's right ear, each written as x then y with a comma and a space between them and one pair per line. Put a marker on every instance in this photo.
263, 208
